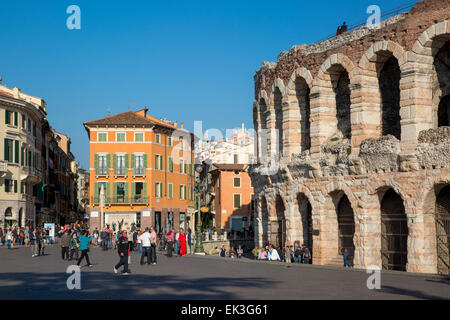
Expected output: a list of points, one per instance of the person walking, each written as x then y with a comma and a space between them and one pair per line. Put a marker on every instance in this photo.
96, 235
347, 260
139, 242
9, 237
65, 244
74, 246
130, 241
182, 242
223, 252
42, 242
170, 238
306, 255
122, 249
255, 252
239, 252
84, 247
153, 239
146, 246
34, 243
189, 240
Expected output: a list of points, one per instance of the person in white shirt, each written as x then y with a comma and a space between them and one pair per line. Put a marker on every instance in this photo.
153, 237
146, 245
273, 254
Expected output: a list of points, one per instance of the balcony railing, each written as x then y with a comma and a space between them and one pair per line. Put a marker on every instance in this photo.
137, 199
101, 171
121, 171
96, 200
139, 171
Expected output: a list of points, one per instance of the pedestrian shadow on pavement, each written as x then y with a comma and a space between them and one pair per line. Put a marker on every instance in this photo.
409, 293
103, 285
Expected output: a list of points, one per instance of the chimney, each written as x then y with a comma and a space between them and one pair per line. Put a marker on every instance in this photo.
182, 125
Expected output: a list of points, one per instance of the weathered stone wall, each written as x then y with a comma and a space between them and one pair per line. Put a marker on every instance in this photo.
397, 76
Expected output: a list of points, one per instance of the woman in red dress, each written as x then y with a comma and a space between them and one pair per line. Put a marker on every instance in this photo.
182, 240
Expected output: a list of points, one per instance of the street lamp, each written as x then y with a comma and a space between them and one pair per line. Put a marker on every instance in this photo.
198, 227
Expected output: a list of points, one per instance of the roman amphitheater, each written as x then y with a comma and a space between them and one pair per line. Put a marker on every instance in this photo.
359, 134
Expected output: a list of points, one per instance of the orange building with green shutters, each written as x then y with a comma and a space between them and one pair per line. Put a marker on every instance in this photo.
146, 168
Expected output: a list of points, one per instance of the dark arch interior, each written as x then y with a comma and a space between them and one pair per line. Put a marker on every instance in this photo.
305, 209
394, 232
278, 228
346, 226
389, 81
279, 118
443, 231
263, 113
444, 112
302, 91
341, 87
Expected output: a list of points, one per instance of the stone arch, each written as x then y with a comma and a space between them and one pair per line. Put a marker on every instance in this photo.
297, 128
8, 217
379, 109
394, 230
420, 103
264, 219
277, 111
443, 113
305, 224
277, 222
331, 103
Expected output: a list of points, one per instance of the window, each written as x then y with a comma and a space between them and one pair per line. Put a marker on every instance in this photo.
158, 162
158, 189
181, 143
170, 190
139, 137
34, 129
120, 137
182, 192
158, 138
100, 184
237, 201
8, 185
169, 141
237, 182
139, 166
102, 165
24, 122
170, 164
120, 192
236, 159
102, 137
29, 125
8, 150
121, 164
139, 193
182, 167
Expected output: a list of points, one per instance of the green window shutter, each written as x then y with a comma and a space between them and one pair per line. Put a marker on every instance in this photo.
161, 189
181, 191
170, 191
185, 167
7, 118
16, 119
115, 162
133, 190
144, 192
127, 162
156, 189
6, 185
126, 191
16, 151
95, 191
15, 186
181, 166
133, 163
156, 162
108, 163
96, 163
170, 164
114, 190
145, 161
5, 150
184, 189
21, 187
22, 156
108, 191
161, 163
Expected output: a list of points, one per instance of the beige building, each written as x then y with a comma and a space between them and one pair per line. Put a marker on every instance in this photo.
363, 162
21, 120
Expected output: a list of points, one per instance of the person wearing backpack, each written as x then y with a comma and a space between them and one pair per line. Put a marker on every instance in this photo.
74, 246
306, 255
223, 252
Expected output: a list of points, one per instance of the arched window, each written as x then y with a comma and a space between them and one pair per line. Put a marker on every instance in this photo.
341, 86
389, 82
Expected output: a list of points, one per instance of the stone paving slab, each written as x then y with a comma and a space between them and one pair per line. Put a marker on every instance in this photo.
199, 278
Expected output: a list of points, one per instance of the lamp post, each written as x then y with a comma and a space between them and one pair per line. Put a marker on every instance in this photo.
198, 227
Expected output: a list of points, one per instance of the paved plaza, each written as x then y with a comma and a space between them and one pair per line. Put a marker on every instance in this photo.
196, 277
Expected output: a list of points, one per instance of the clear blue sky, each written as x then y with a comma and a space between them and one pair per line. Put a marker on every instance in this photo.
185, 60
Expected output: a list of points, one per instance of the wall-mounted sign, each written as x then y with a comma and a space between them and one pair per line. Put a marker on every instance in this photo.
94, 214
146, 213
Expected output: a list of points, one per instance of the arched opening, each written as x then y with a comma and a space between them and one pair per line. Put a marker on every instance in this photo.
341, 86
262, 134
278, 105
346, 226
264, 219
443, 231
394, 232
278, 225
441, 85
389, 83
444, 112
8, 218
302, 92
305, 209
